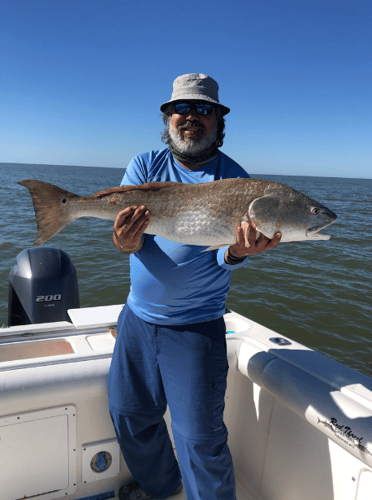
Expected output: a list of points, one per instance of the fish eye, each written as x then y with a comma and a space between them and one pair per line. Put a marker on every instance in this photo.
314, 210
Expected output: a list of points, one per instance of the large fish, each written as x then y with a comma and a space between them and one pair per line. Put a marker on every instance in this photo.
194, 214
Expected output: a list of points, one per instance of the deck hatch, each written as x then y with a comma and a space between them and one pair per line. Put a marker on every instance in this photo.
38, 454
101, 342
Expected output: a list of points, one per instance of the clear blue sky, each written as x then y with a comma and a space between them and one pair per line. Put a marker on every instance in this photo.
81, 81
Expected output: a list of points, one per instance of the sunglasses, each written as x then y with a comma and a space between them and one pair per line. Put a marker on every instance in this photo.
184, 108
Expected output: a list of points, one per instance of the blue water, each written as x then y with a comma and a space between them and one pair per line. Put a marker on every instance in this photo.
317, 293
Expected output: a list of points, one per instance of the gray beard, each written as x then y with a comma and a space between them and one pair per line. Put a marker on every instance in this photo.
190, 146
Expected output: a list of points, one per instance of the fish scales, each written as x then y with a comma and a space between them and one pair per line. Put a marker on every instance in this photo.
197, 214
191, 214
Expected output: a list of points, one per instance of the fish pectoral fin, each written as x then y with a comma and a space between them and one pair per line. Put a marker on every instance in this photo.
264, 213
149, 186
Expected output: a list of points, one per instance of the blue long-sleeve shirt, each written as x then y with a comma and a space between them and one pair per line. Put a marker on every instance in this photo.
172, 283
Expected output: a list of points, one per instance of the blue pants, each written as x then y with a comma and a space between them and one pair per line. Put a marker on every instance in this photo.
186, 367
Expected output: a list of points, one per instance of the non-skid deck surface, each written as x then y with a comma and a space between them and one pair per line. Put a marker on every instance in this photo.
240, 494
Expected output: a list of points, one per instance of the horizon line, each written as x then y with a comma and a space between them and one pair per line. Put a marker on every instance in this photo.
251, 174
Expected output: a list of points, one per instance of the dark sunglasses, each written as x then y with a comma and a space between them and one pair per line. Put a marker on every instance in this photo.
184, 108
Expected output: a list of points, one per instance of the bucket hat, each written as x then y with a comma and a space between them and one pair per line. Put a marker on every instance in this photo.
195, 86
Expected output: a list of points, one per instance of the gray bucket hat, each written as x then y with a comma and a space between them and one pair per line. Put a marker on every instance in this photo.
195, 86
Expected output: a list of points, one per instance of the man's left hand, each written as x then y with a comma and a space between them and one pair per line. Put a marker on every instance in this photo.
247, 244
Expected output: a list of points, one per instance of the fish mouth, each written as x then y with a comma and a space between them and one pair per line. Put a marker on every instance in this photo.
313, 233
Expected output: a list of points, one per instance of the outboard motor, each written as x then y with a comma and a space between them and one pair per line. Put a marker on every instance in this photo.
42, 287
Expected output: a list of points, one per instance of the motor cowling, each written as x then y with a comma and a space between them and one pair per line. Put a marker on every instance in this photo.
43, 285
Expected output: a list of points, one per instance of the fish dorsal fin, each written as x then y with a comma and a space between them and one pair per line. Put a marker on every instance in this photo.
264, 213
149, 186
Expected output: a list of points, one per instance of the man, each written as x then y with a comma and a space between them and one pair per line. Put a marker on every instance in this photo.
171, 346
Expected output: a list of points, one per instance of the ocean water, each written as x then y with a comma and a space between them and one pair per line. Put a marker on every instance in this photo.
317, 293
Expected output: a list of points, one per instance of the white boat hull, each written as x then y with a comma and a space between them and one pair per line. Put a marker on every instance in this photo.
299, 423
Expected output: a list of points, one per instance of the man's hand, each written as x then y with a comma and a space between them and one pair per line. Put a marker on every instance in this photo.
129, 227
248, 245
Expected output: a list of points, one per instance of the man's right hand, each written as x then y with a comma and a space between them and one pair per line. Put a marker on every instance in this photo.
129, 226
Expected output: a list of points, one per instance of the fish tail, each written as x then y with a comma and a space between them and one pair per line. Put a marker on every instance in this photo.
52, 208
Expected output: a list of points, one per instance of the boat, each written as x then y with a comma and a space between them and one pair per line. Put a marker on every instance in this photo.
299, 422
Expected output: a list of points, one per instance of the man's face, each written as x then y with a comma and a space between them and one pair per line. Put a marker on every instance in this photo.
193, 133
